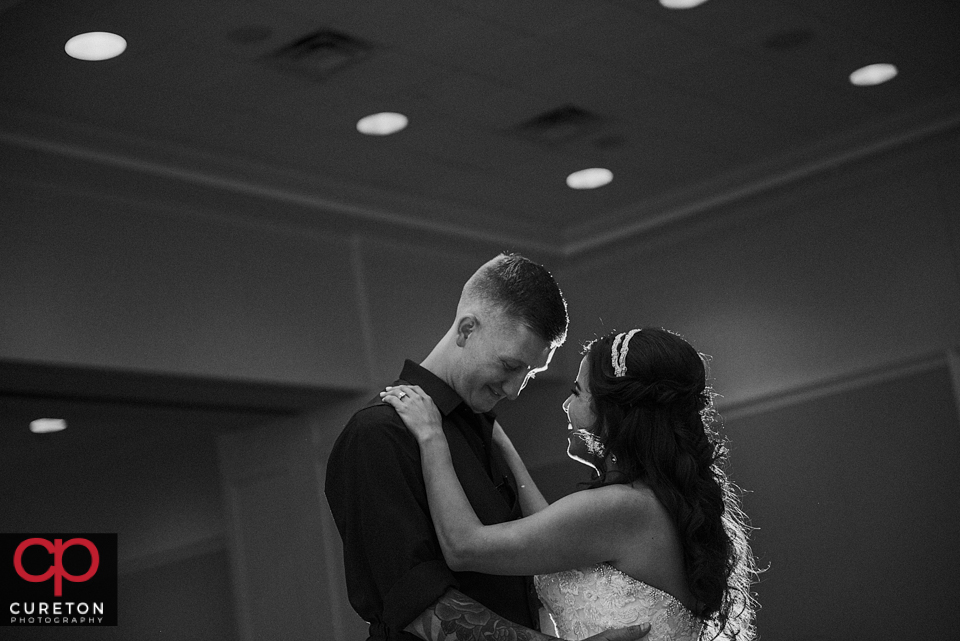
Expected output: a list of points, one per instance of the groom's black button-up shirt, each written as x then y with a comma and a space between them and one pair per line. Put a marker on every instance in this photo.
394, 566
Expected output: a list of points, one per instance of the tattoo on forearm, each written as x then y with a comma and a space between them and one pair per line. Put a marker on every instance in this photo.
457, 617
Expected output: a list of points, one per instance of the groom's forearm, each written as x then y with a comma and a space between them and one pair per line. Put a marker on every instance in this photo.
456, 616
531, 500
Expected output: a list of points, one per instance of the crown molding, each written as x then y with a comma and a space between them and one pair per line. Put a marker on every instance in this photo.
762, 178
374, 208
364, 205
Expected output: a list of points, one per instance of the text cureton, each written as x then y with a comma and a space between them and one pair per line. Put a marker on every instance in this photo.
56, 608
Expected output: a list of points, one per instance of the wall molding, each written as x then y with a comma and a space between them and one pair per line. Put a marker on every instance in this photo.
829, 386
953, 362
151, 560
367, 333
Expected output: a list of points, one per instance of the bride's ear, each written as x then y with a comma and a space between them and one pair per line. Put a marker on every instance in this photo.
466, 326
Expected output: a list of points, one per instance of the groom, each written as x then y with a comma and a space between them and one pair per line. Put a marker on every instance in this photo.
510, 319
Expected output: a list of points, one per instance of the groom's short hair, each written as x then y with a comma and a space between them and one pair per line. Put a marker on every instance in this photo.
523, 291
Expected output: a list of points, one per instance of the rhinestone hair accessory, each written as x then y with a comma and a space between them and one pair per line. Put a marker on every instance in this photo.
618, 352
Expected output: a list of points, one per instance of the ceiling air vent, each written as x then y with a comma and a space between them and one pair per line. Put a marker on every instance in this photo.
321, 54
559, 125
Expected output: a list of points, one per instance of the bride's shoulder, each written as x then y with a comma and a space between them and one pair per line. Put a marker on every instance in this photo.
623, 501
630, 492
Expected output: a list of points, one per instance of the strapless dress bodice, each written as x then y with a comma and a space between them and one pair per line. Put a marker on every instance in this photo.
583, 602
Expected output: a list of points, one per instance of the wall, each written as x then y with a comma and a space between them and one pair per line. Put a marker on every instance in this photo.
848, 492
87, 280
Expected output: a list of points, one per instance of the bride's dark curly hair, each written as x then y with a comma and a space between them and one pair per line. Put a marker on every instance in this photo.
659, 421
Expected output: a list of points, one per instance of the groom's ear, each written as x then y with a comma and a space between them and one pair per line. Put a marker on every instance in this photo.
466, 326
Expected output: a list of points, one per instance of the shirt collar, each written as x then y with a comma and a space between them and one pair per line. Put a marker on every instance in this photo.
444, 396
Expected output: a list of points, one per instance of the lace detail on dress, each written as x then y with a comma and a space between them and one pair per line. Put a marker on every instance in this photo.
583, 602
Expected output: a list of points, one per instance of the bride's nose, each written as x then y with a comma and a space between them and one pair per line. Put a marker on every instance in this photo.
566, 403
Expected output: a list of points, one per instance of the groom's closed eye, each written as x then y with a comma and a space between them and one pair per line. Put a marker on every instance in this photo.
511, 368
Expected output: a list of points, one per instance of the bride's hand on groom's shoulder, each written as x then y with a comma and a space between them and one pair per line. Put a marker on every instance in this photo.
416, 408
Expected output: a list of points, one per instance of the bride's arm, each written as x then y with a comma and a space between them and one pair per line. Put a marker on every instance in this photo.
531, 500
584, 528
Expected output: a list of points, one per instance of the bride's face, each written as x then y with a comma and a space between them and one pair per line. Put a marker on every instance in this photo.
581, 418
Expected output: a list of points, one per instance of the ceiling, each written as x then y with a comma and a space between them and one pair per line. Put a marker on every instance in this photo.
688, 108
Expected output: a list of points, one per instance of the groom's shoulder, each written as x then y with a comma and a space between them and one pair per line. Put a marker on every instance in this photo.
375, 432
374, 414
375, 420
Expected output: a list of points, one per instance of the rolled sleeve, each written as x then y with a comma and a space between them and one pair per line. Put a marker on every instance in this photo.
393, 561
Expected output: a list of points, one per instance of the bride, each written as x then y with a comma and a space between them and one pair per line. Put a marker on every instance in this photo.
658, 536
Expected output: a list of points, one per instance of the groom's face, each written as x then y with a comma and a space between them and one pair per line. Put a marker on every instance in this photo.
499, 358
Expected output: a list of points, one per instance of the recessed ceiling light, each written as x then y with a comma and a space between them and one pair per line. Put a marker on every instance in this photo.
95, 45
47, 425
589, 178
681, 4
382, 124
873, 74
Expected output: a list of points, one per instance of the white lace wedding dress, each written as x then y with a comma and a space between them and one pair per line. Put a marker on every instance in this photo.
583, 602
